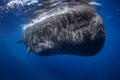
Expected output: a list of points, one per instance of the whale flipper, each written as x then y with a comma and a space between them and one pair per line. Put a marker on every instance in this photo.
28, 51
20, 41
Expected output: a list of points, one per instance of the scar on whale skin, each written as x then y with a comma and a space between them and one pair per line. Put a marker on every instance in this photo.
71, 27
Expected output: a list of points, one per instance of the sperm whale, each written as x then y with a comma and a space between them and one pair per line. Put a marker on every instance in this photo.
65, 27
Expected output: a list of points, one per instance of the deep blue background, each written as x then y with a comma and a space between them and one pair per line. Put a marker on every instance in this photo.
15, 65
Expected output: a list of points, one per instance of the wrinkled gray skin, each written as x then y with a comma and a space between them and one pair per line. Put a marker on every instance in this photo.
80, 31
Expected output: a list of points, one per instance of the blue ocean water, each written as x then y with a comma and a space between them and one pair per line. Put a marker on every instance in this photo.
15, 65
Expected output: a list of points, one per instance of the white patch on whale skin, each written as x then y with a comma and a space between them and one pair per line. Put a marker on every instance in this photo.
95, 3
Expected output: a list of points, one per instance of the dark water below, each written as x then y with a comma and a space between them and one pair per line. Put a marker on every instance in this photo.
15, 65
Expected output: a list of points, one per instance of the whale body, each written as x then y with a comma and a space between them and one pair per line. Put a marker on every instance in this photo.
69, 27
